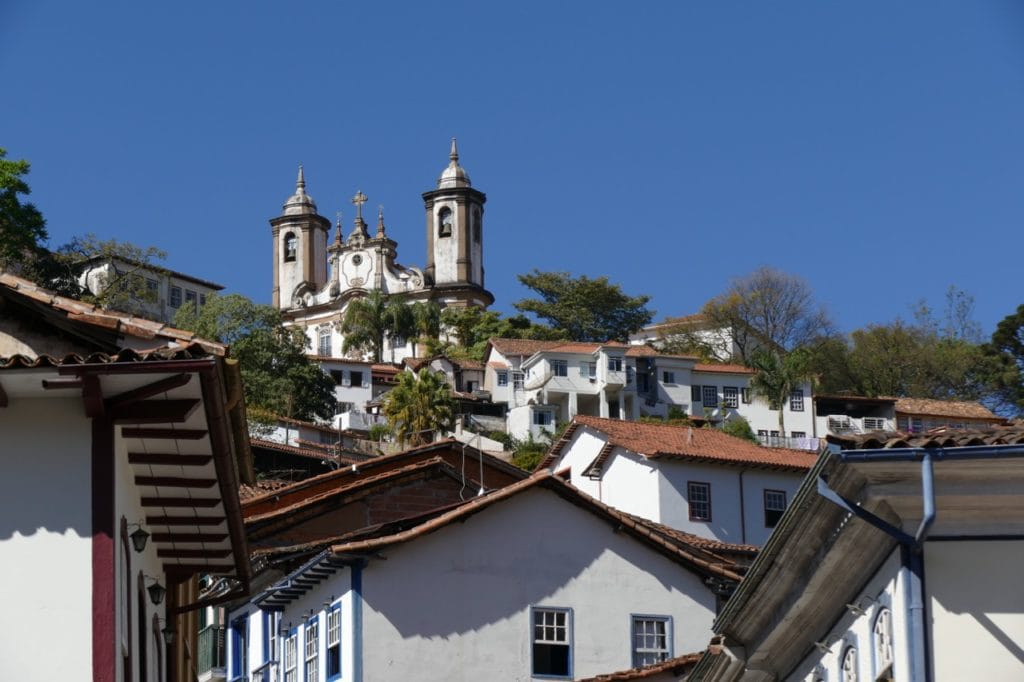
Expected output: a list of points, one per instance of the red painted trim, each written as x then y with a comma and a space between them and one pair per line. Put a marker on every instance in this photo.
104, 607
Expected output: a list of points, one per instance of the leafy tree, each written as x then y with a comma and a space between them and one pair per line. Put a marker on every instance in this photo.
768, 309
22, 227
777, 376
586, 309
1005, 355
528, 453
121, 287
426, 320
740, 428
473, 327
418, 406
371, 320
277, 374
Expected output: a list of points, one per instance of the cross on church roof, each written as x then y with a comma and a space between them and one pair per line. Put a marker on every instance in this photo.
359, 199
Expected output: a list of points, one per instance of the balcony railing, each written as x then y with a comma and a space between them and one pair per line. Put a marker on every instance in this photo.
790, 443
211, 649
266, 672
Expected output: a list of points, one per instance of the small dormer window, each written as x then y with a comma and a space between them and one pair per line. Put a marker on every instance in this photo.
444, 222
291, 246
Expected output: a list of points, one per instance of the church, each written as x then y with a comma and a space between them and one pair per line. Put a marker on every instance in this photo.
315, 278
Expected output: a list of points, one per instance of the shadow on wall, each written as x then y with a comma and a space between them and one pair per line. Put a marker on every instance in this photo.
521, 552
45, 455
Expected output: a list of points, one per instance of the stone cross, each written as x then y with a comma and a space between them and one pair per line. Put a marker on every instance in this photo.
359, 199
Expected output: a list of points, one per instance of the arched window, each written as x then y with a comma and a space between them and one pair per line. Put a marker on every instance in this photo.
477, 225
849, 668
291, 247
883, 644
324, 346
444, 222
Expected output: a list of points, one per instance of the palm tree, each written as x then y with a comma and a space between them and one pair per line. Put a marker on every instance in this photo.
777, 377
372, 319
418, 406
426, 321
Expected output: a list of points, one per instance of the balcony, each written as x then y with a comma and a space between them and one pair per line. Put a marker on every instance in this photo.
210, 663
843, 424
811, 444
266, 672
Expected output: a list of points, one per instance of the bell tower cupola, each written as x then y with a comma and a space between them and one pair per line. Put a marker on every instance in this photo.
300, 247
455, 213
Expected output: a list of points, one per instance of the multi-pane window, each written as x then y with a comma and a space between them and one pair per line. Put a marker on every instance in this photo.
313, 650
774, 506
333, 663
849, 665
614, 364
651, 640
591, 368
192, 299
542, 418
796, 400
324, 346
709, 396
552, 642
668, 377
695, 393
798, 434
175, 297
517, 381
745, 395
559, 368
291, 673
730, 396
152, 288
502, 378
883, 645
699, 498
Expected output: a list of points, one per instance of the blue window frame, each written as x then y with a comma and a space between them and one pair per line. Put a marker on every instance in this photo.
332, 666
551, 635
239, 646
652, 639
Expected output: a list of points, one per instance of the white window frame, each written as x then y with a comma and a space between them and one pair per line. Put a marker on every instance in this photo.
796, 400
324, 343
517, 381
553, 629
290, 655
312, 649
774, 501
731, 396
848, 665
333, 640
614, 363
644, 631
882, 637
559, 368
695, 491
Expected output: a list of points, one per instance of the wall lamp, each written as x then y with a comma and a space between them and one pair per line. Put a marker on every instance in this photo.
156, 591
139, 537
168, 632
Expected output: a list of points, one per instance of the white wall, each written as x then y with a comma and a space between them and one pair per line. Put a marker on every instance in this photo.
976, 602
45, 540
485, 573
446, 248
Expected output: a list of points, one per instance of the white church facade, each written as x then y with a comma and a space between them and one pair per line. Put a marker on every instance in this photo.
315, 279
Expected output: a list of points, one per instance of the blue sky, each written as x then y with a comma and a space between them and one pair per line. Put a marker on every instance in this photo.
874, 148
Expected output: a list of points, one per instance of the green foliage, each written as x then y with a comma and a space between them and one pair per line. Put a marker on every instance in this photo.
370, 320
586, 309
379, 432
740, 428
529, 452
418, 406
22, 227
1004, 355
123, 286
777, 375
675, 412
277, 374
473, 326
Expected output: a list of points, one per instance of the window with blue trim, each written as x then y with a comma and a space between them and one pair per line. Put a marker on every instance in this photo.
552, 642
652, 640
239, 647
291, 642
333, 663
313, 649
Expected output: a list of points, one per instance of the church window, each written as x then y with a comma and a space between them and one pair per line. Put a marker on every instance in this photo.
291, 247
324, 348
444, 222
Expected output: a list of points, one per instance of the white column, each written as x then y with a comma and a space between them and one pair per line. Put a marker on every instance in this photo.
622, 405
604, 403
573, 406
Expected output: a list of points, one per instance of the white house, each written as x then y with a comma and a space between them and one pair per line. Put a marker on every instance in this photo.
898, 560
722, 344
120, 485
167, 289
534, 580
698, 480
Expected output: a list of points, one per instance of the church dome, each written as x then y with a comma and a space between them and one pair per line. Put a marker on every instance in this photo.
300, 203
454, 175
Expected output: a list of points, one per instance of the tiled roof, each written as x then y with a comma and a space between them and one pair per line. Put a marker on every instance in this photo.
715, 546
648, 352
316, 453
722, 368
331, 358
191, 352
107, 320
676, 666
522, 346
685, 442
936, 438
261, 487
688, 320
684, 553
944, 408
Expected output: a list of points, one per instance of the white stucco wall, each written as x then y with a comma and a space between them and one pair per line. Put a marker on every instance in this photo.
975, 599
446, 248
483, 576
45, 541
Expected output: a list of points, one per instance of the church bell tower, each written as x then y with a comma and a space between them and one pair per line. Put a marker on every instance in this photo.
300, 248
455, 213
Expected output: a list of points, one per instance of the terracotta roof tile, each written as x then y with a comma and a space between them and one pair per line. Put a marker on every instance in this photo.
936, 438
261, 487
192, 352
945, 408
685, 442
316, 453
522, 346
676, 666
723, 368
695, 319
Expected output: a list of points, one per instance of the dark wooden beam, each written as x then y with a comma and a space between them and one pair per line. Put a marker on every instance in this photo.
92, 396
184, 520
147, 391
175, 482
155, 411
189, 569
159, 458
189, 537
197, 502
165, 434
58, 384
193, 553
3, 396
